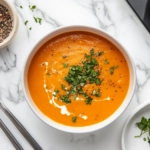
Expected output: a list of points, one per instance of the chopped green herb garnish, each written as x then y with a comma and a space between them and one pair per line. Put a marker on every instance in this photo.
65, 65
92, 52
112, 69
26, 22
96, 93
30, 28
64, 56
148, 140
38, 20
100, 53
65, 99
21, 7
63, 87
144, 126
88, 100
80, 75
74, 119
32, 7
56, 91
106, 61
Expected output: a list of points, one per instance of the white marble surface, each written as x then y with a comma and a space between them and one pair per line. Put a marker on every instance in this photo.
113, 16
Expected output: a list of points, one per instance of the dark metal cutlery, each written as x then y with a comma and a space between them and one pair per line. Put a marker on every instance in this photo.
20, 127
10, 136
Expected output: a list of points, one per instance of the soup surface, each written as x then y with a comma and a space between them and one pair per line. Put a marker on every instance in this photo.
78, 79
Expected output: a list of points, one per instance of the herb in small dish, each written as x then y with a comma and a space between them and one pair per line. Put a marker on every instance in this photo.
144, 126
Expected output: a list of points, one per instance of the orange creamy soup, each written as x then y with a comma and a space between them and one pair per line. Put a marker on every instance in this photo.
78, 79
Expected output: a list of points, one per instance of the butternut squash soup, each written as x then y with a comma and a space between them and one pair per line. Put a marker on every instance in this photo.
78, 79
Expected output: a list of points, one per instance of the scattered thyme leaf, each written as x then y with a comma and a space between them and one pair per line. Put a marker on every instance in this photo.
30, 28
112, 69
21, 7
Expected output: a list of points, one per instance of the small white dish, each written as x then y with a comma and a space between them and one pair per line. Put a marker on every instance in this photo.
130, 129
15, 23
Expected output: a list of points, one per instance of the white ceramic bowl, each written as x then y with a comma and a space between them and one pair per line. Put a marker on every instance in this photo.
15, 23
99, 125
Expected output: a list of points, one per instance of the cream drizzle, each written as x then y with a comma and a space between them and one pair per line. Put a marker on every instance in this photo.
63, 108
83, 117
105, 99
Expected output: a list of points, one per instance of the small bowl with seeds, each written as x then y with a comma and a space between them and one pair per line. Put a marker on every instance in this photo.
8, 23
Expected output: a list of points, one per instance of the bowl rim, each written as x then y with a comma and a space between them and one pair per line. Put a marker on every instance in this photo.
96, 126
15, 24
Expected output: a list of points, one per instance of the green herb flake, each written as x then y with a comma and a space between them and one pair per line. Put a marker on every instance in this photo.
106, 61
64, 56
112, 69
148, 140
92, 52
144, 139
63, 87
26, 22
65, 65
30, 28
55, 92
74, 119
88, 100
96, 93
32, 7
100, 53
21, 7
65, 99
37, 20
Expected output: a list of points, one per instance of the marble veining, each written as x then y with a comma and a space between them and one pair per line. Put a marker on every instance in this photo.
113, 16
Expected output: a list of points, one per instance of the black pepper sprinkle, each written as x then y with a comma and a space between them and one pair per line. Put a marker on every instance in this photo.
5, 23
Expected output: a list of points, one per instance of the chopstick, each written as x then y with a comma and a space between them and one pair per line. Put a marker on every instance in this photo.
10, 136
20, 127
